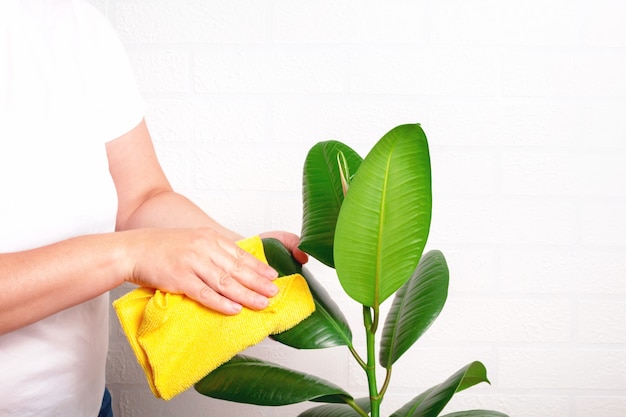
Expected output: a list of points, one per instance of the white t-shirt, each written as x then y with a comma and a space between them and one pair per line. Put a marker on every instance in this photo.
66, 88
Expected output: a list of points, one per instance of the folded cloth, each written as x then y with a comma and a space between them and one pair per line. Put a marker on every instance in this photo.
178, 341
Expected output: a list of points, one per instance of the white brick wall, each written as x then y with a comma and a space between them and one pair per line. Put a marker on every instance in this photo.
523, 103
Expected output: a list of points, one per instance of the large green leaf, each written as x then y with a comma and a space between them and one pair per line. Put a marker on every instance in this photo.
252, 381
384, 220
432, 401
476, 413
322, 195
337, 410
280, 258
415, 307
327, 326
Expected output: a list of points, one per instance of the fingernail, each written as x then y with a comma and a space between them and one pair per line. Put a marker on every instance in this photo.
271, 273
262, 302
235, 308
272, 289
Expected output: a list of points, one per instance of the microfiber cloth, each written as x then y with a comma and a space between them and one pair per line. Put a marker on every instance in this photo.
178, 341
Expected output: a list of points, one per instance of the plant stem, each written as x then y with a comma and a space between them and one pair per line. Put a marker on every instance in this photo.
381, 394
357, 357
356, 408
370, 369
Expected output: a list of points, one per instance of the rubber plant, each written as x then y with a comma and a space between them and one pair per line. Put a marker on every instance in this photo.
369, 219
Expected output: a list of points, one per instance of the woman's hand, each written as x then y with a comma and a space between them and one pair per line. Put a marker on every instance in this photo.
172, 245
291, 242
201, 263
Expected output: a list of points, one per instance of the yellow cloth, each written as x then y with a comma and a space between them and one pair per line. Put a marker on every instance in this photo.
177, 341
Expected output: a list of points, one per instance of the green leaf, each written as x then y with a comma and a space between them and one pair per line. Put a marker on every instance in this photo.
322, 196
327, 326
415, 307
432, 401
252, 381
384, 220
337, 410
410, 408
280, 258
476, 413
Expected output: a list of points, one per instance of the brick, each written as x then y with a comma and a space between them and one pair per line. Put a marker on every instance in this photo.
246, 168
601, 127
608, 329
465, 172
565, 271
589, 405
192, 403
348, 22
285, 213
487, 221
472, 270
138, 403
564, 174
208, 120
275, 70
245, 214
162, 70
562, 369
563, 73
357, 379
122, 365
505, 320
425, 71
604, 24
602, 222
492, 22
175, 165
191, 21
528, 404
357, 122
514, 122
607, 269
426, 365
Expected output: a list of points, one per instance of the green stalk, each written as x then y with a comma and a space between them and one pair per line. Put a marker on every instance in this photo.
356, 408
357, 357
370, 370
381, 394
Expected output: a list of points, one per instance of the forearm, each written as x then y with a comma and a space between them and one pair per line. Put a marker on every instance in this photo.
40, 282
169, 209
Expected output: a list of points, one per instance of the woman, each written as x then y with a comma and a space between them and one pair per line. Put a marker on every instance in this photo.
85, 207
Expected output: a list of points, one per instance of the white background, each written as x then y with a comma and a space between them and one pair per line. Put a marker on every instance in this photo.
523, 103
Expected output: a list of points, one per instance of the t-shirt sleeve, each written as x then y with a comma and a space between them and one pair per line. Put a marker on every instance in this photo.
111, 86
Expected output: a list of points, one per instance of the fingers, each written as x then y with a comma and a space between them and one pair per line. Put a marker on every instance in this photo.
208, 297
300, 256
291, 242
247, 270
224, 295
203, 264
237, 277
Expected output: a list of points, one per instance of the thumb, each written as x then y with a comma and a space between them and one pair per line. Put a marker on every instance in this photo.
291, 242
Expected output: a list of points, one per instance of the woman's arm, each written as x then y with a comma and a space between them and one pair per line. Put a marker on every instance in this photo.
40, 282
162, 241
201, 258
146, 198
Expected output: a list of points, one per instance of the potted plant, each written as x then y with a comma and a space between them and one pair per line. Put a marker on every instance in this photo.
369, 219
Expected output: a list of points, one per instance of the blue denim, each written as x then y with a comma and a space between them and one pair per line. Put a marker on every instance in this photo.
105, 409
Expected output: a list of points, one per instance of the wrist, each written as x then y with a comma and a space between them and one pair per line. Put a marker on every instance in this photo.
123, 253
